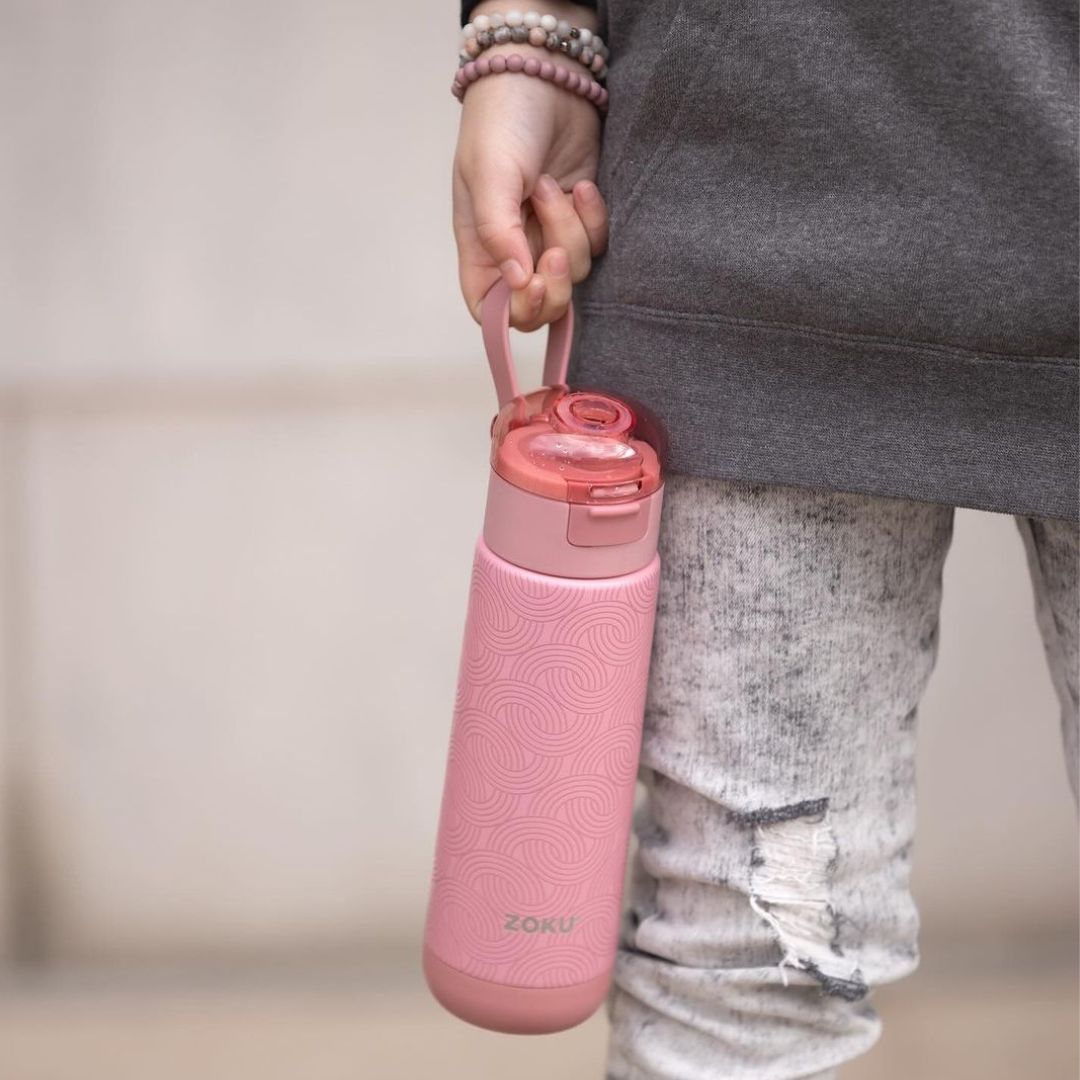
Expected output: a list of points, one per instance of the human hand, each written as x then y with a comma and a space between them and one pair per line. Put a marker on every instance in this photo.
525, 203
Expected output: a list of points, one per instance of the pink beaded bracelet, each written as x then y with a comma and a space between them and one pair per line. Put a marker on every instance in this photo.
573, 81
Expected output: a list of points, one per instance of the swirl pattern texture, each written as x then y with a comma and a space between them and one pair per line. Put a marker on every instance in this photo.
540, 778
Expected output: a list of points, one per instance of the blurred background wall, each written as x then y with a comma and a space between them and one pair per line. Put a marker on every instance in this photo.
242, 466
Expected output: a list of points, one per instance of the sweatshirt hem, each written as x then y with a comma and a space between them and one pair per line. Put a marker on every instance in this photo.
743, 399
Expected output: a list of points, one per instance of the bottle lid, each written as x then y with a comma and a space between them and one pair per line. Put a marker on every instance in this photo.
578, 446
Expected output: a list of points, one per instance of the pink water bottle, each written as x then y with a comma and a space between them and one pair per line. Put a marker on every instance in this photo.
525, 902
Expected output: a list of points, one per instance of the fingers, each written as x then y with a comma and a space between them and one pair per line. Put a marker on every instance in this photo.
496, 193
546, 296
526, 305
561, 225
573, 228
553, 294
494, 239
592, 210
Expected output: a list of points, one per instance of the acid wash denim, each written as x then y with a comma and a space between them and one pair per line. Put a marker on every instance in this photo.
795, 635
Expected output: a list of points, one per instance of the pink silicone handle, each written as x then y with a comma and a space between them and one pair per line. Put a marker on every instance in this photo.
495, 323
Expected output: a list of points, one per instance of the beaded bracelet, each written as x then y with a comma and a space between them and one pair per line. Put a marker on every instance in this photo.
575, 82
543, 31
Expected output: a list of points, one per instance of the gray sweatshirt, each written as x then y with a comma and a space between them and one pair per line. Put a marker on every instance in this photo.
844, 243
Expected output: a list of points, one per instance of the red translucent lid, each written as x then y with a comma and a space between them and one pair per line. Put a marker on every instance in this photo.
578, 446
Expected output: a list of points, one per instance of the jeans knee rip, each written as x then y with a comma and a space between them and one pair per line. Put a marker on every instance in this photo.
791, 866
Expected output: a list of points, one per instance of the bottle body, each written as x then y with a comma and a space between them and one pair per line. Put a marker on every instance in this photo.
526, 896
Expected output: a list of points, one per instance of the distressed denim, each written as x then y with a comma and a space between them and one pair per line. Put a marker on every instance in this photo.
795, 635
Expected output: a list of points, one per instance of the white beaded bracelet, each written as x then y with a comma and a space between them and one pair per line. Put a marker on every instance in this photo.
533, 28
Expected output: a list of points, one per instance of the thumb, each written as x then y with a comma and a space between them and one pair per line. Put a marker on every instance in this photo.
497, 194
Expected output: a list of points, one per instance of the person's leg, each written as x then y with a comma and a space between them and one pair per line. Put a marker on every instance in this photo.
796, 632
1053, 551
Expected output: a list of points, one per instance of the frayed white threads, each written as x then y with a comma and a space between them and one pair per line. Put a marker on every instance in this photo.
789, 889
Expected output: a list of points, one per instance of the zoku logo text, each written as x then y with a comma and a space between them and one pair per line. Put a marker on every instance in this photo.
530, 925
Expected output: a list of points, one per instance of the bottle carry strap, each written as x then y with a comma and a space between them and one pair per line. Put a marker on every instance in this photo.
495, 324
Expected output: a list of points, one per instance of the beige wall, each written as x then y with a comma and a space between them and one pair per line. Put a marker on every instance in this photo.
243, 419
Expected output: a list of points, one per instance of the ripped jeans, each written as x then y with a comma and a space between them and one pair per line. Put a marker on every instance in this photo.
795, 636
